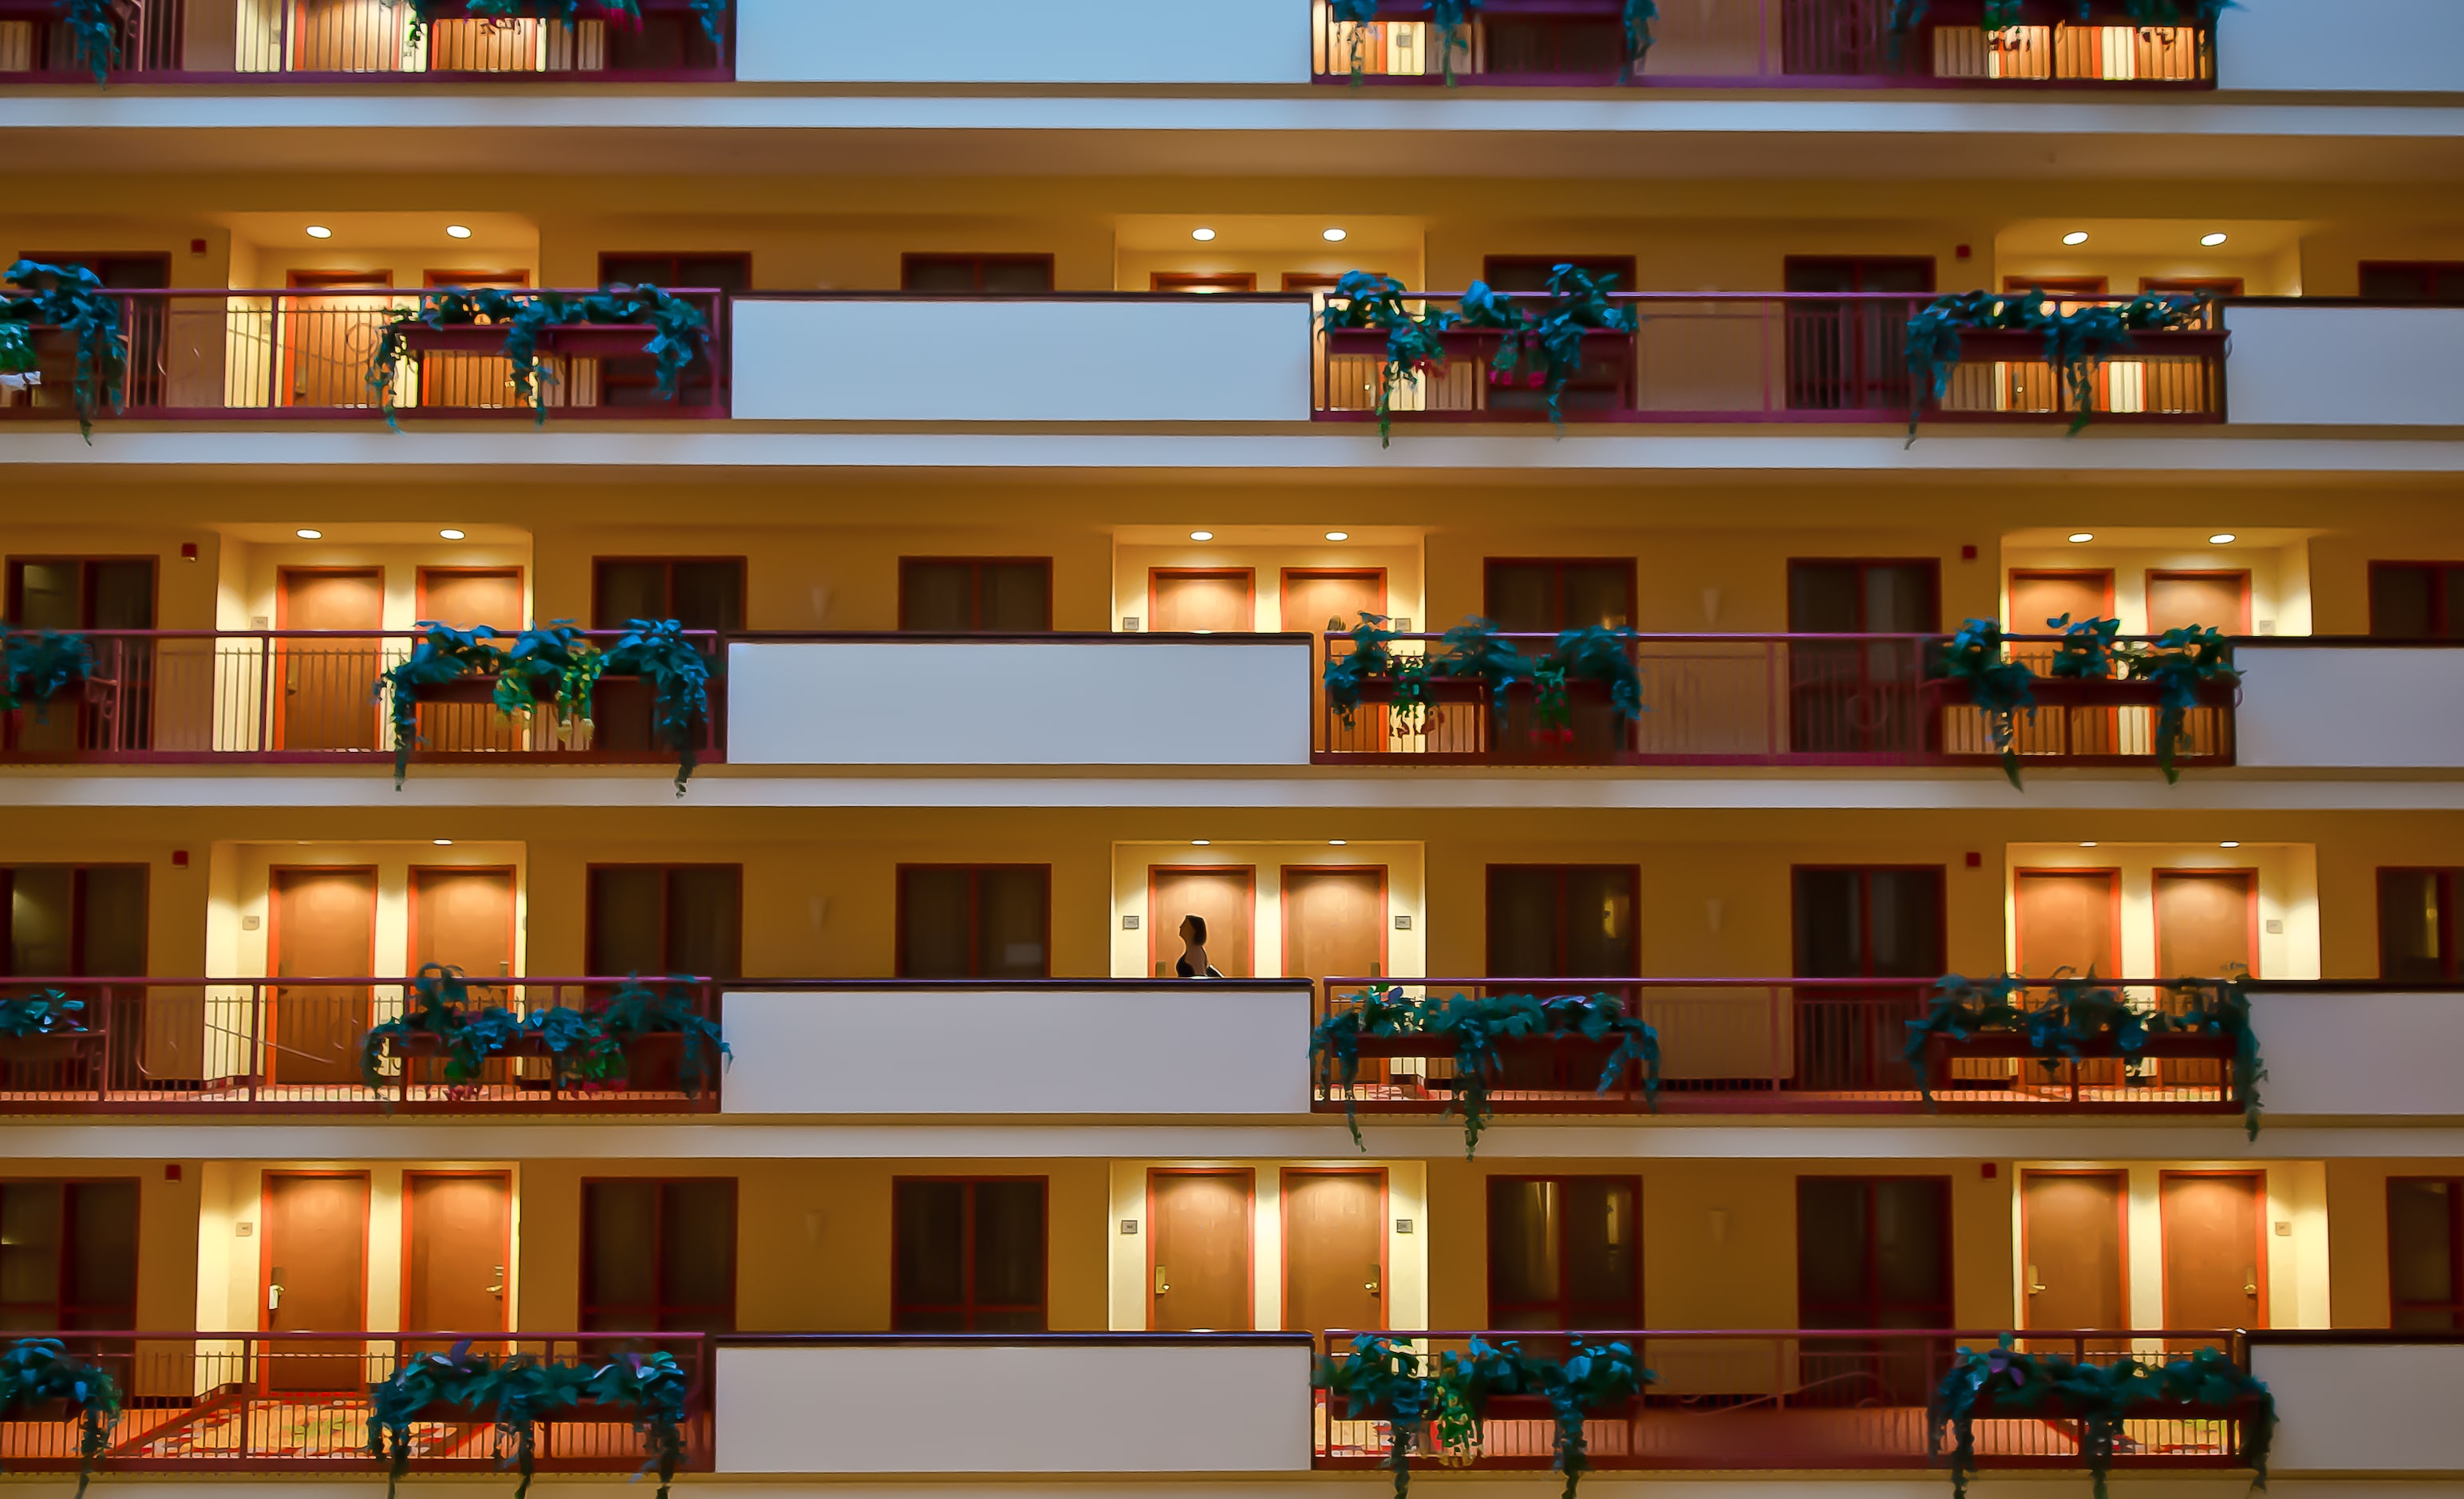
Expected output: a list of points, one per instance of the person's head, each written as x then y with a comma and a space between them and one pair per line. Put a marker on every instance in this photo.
1193, 930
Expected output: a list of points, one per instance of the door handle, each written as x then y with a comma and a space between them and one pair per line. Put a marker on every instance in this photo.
2250, 1281
273, 1296
498, 1288
2035, 1287
1373, 1281
1162, 1284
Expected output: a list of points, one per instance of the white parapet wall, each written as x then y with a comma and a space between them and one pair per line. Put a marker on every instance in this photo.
1234, 1048
1015, 702
2359, 1054
1054, 359
2363, 1407
2329, 366
1091, 1405
1004, 41
2350, 46
2349, 707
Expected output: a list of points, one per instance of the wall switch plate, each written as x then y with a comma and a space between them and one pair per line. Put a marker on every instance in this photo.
2275, 926
250, 923
2283, 1230
1402, 923
1130, 623
1128, 923
244, 1230
1403, 1225
1129, 1226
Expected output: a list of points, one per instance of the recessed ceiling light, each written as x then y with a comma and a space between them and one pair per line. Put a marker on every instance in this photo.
1202, 235
2229, 844
1200, 843
441, 842
2087, 845
1337, 842
2211, 239
2082, 535
319, 231
1334, 237
1339, 535
2221, 538
451, 534
1202, 536
2077, 237
306, 535
457, 230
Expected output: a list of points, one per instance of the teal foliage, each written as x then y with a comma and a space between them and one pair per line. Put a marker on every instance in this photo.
2098, 1398
1415, 342
518, 1391
1592, 1376
441, 656
2179, 662
1372, 658
93, 35
659, 652
2086, 652
45, 1012
17, 356
586, 1044
72, 299
37, 668
2082, 1017
678, 333
2000, 688
1906, 15
2182, 662
1477, 651
425, 14
556, 666
2076, 342
1448, 16
1544, 350
1468, 1029
36, 1372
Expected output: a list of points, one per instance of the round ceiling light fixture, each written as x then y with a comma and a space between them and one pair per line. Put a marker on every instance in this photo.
2082, 535
306, 534
2077, 237
2211, 240
319, 231
1202, 235
1202, 536
457, 230
1336, 236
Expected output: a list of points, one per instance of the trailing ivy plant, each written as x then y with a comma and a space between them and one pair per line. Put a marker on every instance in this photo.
1448, 18
1592, 1376
2086, 652
659, 652
441, 657
72, 299
38, 1372
555, 666
1906, 15
93, 36
1373, 658
1415, 342
1380, 1380
516, 1392
2179, 662
678, 332
37, 668
1477, 651
2076, 342
425, 14
20, 366
2081, 1019
2000, 687
45, 1012
1468, 1029
2097, 1398
1544, 350
586, 1044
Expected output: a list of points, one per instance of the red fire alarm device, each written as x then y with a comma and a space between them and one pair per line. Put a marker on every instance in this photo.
1975, 861
179, 858
188, 551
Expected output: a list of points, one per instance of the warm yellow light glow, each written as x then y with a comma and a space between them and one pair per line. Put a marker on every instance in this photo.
1339, 535
306, 535
1202, 536
2221, 538
1334, 237
2082, 535
2077, 237
319, 231
457, 231
1202, 235
451, 534
2211, 240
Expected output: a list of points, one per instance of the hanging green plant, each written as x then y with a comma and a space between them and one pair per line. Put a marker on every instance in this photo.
45, 1012
2180, 662
20, 366
555, 666
2086, 652
1449, 18
93, 35
1592, 1377
72, 299
1415, 342
1908, 16
589, 1044
37, 668
1999, 688
1477, 651
2076, 342
516, 1393
678, 333
39, 1373
1371, 659
659, 652
1544, 350
2001, 1381
425, 14
441, 657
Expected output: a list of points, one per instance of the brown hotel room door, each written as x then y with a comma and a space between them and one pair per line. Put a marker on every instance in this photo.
2215, 1249
1224, 895
314, 1278
1197, 1257
457, 1233
1335, 1249
326, 703
325, 927
2073, 1249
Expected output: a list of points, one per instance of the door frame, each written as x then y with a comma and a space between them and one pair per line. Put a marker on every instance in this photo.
2250, 915
2241, 627
2112, 873
1284, 1241
2122, 1222
513, 923
274, 946
1155, 930
412, 1174
419, 584
1250, 576
283, 575
1284, 913
1248, 1175
1284, 587
2259, 1250
2010, 583
265, 1238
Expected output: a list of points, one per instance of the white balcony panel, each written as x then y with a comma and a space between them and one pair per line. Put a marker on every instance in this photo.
1185, 1048
2359, 1055
2338, 707
2344, 366
1004, 41
1029, 360
2363, 1408
1019, 703
2351, 46
1094, 1407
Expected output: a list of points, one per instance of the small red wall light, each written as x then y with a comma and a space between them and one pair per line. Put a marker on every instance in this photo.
179, 858
1976, 861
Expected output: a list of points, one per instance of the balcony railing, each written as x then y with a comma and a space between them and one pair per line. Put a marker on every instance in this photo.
267, 1045
226, 41
159, 697
1766, 44
1832, 357
1802, 1400
197, 1402
1761, 700
216, 355
1773, 1046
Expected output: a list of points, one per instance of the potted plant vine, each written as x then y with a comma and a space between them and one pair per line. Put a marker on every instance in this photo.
46, 1032
38, 669
519, 1392
520, 326
1365, 315
2001, 1382
1545, 349
1379, 1378
68, 304
41, 1381
428, 13
645, 1035
1908, 16
2023, 327
2190, 666
1449, 18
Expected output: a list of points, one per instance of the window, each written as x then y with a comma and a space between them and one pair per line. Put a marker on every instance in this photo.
2439, 281
1564, 920
1530, 272
974, 921
721, 271
634, 380
1564, 1253
1849, 596
662, 918
699, 593
2417, 926
1856, 923
68, 1256
1550, 594
1873, 1251
2425, 1237
658, 1256
967, 1256
67, 920
1851, 356
985, 276
1008, 595
1848, 696
81, 592
2417, 601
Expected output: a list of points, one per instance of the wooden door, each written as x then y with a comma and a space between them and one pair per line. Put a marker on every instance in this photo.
2040, 598
458, 1244
2074, 1248
313, 1269
329, 686
1225, 896
465, 598
324, 329
2206, 923
463, 918
1198, 1246
2069, 919
1315, 598
1218, 601
325, 927
1334, 1250
2215, 1250
2219, 600
2037, 600
1334, 922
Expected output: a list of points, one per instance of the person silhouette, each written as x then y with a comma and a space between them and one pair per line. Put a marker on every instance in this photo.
1192, 962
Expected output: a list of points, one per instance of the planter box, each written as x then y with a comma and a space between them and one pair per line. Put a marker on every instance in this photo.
1449, 690
1995, 1407
587, 11
1513, 10
53, 1047
481, 689
589, 341
2000, 1045
2020, 346
1480, 344
2086, 693
1536, 1407
1551, 1063
579, 1413
2032, 13
651, 1062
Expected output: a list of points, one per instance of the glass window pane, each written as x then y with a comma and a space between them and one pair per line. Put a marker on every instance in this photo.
957, 275
706, 921
629, 591
1009, 1243
928, 1248
935, 596
1522, 922
1598, 593
1604, 1235
1018, 278
1523, 1228
1830, 924
1522, 596
710, 595
1832, 1234
697, 1251
2421, 1244
1014, 923
2401, 603
1016, 597
49, 595
619, 1247
628, 920
114, 939
1824, 599
1601, 937
40, 921
1908, 923
1912, 1246
2409, 924
102, 1226
124, 596
29, 1244
1899, 598
936, 923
